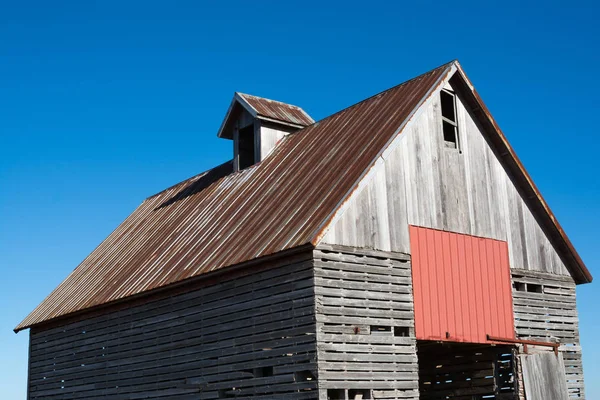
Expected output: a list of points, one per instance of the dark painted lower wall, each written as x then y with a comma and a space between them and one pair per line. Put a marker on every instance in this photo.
250, 337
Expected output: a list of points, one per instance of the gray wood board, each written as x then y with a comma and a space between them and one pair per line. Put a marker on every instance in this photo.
421, 182
250, 337
361, 297
550, 316
544, 377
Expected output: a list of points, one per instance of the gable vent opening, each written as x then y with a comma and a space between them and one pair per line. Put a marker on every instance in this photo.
449, 120
246, 147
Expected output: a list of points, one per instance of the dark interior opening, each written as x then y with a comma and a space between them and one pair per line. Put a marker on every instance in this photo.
451, 370
402, 331
519, 286
261, 372
303, 376
349, 394
359, 394
380, 329
226, 393
448, 109
449, 134
246, 147
449, 122
533, 288
336, 394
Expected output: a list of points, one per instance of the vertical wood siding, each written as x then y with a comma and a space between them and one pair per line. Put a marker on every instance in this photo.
461, 285
251, 337
543, 377
270, 135
365, 323
421, 182
545, 310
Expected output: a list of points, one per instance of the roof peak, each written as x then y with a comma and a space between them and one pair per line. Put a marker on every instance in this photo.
244, 95
441, 67
282, 203
263, 109
277, 205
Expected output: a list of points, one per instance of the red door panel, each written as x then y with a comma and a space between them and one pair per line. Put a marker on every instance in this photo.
461, 285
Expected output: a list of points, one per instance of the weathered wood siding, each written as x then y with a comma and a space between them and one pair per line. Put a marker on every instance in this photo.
365, 324
418, 181
250, 337
466, 371
270, 135
542, 375
545, 310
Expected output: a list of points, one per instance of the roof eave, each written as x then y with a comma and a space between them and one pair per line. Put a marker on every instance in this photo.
237, 99
280, 122
567, 251
174, 288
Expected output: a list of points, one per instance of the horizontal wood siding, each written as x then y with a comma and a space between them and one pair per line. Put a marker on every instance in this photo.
545, 310
250, 337
418, 181
365, 323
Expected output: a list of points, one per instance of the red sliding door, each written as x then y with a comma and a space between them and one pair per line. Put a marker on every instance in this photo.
461, 285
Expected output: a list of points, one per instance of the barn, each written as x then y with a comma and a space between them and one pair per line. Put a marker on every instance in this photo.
396, 249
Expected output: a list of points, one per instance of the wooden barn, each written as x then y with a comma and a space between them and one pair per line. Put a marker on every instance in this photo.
394, 250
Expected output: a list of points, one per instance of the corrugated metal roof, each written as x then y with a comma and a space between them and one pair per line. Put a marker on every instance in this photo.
210, 222
219, 218
277, 110
461, 285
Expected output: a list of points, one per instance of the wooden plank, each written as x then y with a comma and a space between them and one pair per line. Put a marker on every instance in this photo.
365, 322
194, 345
227, 289
354, 254
544, 376
551, 316
420, 182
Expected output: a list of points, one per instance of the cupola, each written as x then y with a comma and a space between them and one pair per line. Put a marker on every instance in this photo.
256, 125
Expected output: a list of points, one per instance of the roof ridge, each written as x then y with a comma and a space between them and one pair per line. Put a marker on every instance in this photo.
384, 91
318, 234
274, 101
257, 212
300, 130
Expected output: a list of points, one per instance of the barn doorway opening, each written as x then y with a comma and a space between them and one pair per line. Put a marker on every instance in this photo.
450, 370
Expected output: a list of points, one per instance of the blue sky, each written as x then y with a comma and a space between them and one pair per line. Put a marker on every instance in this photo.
103, 104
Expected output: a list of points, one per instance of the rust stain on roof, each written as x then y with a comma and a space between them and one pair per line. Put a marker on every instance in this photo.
277, 110
218, 218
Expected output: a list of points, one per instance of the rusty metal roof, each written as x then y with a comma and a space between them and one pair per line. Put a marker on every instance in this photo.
202, 224
221, 218
531, 194
264, 109
277, 110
